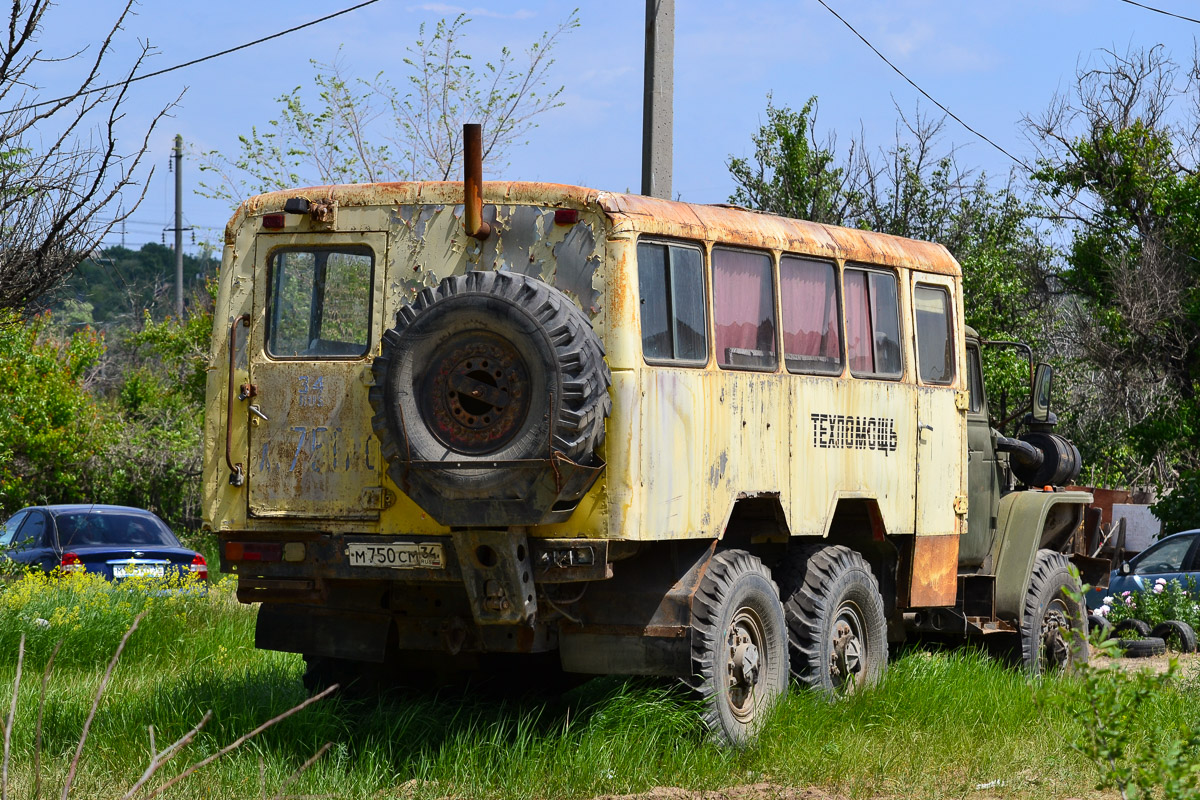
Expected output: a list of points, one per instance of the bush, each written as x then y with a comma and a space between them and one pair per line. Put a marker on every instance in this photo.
1164, 600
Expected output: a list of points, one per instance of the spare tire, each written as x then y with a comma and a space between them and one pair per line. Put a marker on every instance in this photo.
488, 368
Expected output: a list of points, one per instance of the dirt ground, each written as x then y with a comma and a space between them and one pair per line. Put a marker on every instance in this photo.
1189, 663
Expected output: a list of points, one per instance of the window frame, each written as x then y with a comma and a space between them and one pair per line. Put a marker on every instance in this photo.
839, 312
944, 290
706, 293
867, 270
271, 310
773, 279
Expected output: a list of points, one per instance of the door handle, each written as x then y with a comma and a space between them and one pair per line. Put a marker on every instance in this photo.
924, 426
256, 411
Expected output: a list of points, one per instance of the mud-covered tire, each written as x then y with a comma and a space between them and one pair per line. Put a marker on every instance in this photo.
1177, 634
1053, 623
837, 631
739, 646
1142, 648
1097, 623
1139, 628
489, 367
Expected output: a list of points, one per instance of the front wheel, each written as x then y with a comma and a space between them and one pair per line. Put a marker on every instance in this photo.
1053, 625
835, 618
739, 646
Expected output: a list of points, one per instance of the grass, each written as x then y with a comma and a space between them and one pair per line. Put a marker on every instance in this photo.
941, 724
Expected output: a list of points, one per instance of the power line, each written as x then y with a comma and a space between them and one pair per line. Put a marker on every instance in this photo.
193, 61
913, 84
1160, 11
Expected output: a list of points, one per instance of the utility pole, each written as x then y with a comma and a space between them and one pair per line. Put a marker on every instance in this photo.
179, 226
657, 114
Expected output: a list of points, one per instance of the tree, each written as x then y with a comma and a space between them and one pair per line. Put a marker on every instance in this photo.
1122, 168
62, 186
418, 130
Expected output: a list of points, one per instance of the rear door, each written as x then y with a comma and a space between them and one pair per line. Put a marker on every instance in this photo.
312, 452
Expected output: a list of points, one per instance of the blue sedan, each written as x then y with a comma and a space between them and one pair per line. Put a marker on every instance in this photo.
114, 541
1176, 557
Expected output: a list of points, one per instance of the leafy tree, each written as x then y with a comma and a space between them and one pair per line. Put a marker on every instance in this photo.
1123, 171
61, 190
370, 130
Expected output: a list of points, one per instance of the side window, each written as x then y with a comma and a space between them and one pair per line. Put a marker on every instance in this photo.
31, 533
9, 531
1165, 557
935, 349
873, 324
744, 309
320, 303
808, 297
974, 380
671, 283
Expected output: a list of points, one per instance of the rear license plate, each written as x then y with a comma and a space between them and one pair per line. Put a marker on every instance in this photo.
138, 570
395, 556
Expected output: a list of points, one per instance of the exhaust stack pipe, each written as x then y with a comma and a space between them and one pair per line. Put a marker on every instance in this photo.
473, 182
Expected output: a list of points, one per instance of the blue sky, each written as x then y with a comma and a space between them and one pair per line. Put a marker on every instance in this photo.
990, 62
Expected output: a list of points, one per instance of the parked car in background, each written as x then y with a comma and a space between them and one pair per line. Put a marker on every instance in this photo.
117, 542
1176, 557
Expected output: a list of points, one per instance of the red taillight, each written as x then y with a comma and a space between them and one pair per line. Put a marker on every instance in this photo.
71, 563
566, 216
200, 568
253, 551
273, 221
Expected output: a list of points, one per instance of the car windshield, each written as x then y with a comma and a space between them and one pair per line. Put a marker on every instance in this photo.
76, 529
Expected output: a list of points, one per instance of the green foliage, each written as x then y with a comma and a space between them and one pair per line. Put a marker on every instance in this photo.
52, 428
1164, 600
1180, 510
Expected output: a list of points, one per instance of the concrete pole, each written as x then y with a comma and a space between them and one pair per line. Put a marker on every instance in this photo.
657, 115
179, 226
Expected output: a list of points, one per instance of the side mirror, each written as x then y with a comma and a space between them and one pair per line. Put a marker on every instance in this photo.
1125, 568
1042, 378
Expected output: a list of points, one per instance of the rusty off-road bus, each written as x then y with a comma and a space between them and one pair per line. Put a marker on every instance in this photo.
451, 420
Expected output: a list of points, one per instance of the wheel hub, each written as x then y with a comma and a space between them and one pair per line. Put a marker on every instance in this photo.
476, 393
744, 662
847, 655
1055, 628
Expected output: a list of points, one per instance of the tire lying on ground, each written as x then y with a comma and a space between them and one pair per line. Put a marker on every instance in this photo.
1137, 626
1177, 634
1142, 648
1099, 623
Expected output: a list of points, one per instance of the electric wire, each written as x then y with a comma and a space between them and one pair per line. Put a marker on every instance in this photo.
1161, 11
194, 61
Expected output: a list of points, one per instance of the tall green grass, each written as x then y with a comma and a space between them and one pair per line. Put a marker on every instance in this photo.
940, 725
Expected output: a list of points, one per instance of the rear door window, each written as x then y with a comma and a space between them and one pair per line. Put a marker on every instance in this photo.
320, 302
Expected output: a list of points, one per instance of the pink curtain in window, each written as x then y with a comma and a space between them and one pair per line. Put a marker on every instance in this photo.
810, 322
859, 347
742, 302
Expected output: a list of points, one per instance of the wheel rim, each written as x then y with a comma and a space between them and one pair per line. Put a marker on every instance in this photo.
475, 397
1056, 627
848, 654
745, 663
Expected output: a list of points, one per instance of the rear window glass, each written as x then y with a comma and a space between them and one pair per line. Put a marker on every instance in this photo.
320, 303
94, 528
744, 310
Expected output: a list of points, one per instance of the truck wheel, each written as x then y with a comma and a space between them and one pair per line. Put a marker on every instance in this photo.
739, 646
489, 367
836, 626
1053, 625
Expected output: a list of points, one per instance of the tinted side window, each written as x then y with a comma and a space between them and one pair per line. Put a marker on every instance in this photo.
1165, 557
808, 297
9, 531
320, 303
32, 532
674, 321
935, 355
873, 324
744, 309
974, 380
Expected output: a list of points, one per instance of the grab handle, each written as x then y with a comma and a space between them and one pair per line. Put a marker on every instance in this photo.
237, 475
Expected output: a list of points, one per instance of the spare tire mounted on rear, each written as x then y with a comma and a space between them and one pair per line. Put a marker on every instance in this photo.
490, 398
